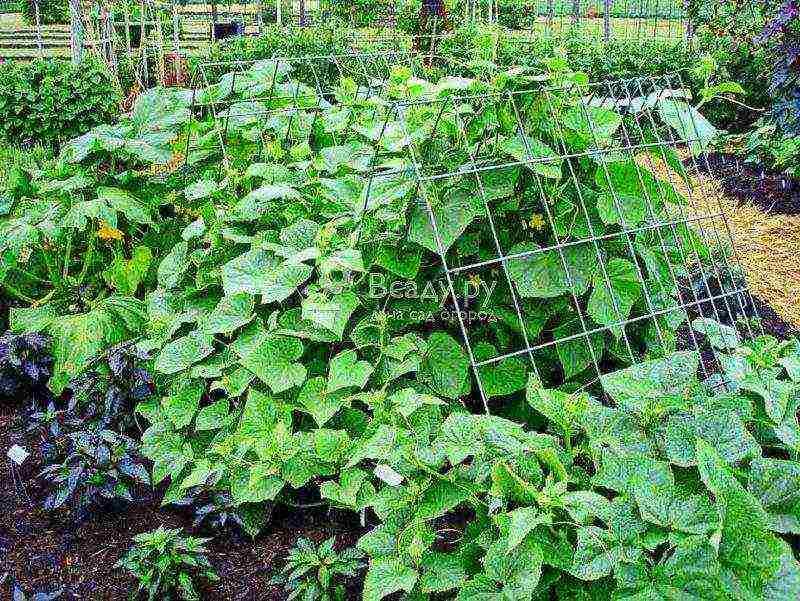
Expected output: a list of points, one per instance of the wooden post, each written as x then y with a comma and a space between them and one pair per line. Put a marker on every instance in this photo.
278, 16
162, 67
76, 31
301, 9
607, 20
176, 30
105, 36
38, 21
551, 12
576, 10
143, 45
126, 16
107, 28
214, 21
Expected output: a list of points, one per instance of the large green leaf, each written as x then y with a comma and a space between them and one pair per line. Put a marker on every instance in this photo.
347, 371
184, 352
330, 312
272, 358
315, 399
387, 576
724, 429
500, 378
77, 339
689, 125
261, 272
445, 366
630, 193
564, 410
507, 576
754, 561
541, 274
540, 158
613, 296
662, 383
776, 485
231, 313
452, 216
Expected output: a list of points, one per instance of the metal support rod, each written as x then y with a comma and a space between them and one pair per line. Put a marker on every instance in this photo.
76, 31
127, 20
38, 22
176, 29
214, 21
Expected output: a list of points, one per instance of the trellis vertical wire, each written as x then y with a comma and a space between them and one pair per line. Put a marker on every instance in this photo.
719, 243
673, 227
680, 249
592, 233
443, 254
684, 216
496, 239
625, 227
726, 224
618, 209
560, 248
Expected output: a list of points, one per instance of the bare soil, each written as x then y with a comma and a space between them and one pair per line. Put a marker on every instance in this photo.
44, 551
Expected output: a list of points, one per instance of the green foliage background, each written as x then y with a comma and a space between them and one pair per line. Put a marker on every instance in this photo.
51, 12
48, 101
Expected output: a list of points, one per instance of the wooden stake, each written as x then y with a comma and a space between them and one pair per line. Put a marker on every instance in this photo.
76, 31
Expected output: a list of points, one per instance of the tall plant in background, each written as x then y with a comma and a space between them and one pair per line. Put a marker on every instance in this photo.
50, 11
770, 32
782, 36
776, 138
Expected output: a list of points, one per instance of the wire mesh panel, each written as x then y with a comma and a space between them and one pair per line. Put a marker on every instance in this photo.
608, 19
569, 234
591, 238
289, 90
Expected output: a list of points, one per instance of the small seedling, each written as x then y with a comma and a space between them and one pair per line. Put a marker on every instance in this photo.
166, 563
311, 571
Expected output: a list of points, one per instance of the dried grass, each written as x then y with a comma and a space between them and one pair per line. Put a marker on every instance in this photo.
766, 246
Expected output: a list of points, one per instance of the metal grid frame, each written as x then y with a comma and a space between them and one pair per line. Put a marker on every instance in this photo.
737, 301
370, 70
732, 303
611, 19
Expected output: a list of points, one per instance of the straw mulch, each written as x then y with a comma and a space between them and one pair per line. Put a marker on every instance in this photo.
767, 246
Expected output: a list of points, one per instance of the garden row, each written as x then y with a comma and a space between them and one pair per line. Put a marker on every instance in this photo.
235, 310
205, 322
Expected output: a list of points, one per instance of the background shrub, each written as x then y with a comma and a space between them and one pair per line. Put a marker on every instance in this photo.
276, 41
361, 13
50, 11
48, 101
621, 59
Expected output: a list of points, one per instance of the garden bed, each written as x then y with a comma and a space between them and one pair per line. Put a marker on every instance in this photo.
774, 193
767, 243
44, 551
222, 338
